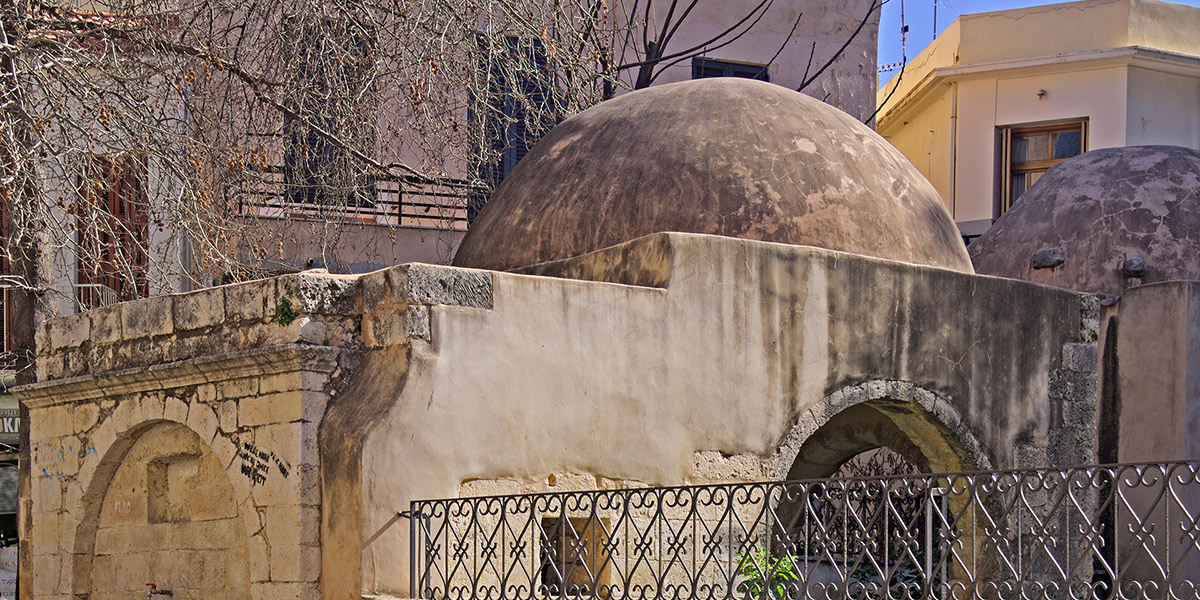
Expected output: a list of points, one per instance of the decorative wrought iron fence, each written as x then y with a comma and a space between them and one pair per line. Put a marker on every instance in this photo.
1118, 531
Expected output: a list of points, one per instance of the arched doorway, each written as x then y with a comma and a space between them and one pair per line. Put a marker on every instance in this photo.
864, 514
905, 428
167, 514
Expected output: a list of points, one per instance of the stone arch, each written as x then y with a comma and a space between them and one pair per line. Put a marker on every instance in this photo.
196, 533
919, 424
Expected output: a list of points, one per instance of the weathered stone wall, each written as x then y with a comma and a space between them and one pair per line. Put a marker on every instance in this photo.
1157, 362
175, 442
310, 424
720, 368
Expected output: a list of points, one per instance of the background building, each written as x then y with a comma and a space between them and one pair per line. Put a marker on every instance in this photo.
1001, 97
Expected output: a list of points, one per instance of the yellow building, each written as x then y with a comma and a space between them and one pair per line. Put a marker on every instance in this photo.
1000, 97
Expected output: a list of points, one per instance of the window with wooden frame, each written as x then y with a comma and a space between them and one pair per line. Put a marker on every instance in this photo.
113, 227
1028, 152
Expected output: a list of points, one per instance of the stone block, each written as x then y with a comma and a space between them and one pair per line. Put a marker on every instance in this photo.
197, 344
75, 362
427, 284
123, 417
102, 358
52, 422
313, 380
67, 332
227, 416
48, 533
103, 437
85, 416
373, 292
290, 590
283, 407
139, 353
248, 301
206, 393
417, 322
397, 283
279, 382
225, 448
237, 388
293, 562
175, 409
106, 324
314, 293
392, 328
113, 540
150, 406
260, 562
312, 331
202, 420
292, 525
48, 564
195, 310
47, 489
41, 338
1081, 358
147, 317
51, 366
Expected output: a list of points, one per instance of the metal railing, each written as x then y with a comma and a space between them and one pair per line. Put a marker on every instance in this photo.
391, 203
85, 296
93, 295
1123, 531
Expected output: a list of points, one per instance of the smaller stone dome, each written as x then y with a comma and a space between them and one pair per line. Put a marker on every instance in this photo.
1101, 222
721, 156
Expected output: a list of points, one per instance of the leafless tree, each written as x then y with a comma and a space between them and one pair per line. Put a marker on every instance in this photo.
144, 143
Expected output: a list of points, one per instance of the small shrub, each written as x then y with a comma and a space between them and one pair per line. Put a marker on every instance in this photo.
284, 313
766, 576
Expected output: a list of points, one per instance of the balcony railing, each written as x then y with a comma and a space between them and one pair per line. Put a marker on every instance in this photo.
86, 296
391, 203
1124, 531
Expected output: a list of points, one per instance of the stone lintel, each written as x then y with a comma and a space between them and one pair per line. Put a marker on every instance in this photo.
206, 369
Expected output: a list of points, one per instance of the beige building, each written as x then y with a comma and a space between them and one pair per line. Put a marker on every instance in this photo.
1000, 97
265, 440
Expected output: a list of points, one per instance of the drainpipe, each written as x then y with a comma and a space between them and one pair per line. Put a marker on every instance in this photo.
954, 150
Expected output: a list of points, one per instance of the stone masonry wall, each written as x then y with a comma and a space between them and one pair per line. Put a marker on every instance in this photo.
175, 441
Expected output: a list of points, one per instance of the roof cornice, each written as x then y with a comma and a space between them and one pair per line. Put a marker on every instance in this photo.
1140, 56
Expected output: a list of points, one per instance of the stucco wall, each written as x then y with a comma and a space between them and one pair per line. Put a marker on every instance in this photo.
720, 374
1157, 404
421, 381
1158, 366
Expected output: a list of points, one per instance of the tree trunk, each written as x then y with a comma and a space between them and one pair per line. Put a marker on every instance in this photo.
19, 188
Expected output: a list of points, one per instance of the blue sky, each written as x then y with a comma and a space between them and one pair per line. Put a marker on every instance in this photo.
919, 14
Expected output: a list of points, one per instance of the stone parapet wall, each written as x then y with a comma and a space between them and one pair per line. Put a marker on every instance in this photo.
175, 438
261, 440
303, 308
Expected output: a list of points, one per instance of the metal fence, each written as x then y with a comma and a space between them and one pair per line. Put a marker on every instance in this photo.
1123, 531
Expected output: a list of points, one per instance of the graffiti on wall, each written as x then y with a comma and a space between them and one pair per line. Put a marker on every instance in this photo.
257, 463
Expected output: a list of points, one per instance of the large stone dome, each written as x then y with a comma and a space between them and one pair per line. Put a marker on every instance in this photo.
727, 156
1105, 215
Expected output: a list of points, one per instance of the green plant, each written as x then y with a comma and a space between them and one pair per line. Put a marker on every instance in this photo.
284, 313
765, 576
